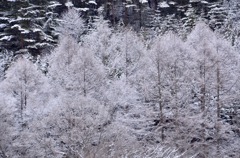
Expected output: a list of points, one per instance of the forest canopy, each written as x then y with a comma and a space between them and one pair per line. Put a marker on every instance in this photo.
90, 86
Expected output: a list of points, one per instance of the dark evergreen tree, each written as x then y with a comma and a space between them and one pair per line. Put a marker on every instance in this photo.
217, 15
10, 32
232, 21
26, 26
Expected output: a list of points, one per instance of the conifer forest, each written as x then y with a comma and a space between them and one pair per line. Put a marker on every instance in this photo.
119, 79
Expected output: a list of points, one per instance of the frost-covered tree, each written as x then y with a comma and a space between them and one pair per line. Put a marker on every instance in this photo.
214, 82
226, 83
75, 69
164, 84
71, 24
201, 43
27, 90
24, 82
80, 126
81, 68
77, 125
125, 53
89, 72
98, 39
60, 61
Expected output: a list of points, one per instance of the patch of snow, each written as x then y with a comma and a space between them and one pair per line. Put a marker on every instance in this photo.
40, 18
204, 2
19, 19
163, 5
29, 40
40, 45
37, 30
143, 1
194, 1
130, 5
24, 31
4, 18
69, 4
16, 26
2, 26
82, 9
32, 47
31, 12
22, 51
54, 5
7, 38
172, 3
92, 2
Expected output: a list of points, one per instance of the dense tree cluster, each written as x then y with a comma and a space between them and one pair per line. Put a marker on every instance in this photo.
28, 26
111, 93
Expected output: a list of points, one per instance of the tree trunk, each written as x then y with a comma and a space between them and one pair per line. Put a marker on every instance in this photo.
126, 58
203, 84
160, 100
203, 99
84, 81
218, 108
113, 13
175, 90
140, 15
176, 99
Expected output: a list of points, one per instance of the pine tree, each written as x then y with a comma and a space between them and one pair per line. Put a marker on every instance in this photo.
217, 15
232, 22
25, 27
